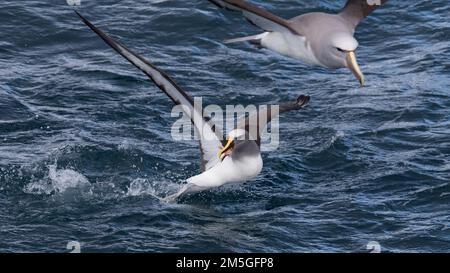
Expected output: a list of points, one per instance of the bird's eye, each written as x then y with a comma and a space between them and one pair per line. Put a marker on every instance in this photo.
339, 49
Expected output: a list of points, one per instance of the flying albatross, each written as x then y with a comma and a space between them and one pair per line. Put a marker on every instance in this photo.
238, 158
315, 38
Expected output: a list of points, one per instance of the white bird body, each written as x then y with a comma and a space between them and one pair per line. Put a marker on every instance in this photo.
290, 45
229, 171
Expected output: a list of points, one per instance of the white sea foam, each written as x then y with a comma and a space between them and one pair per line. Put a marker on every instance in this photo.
336, 137
397, 125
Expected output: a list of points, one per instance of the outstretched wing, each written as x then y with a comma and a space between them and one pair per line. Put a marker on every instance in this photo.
256, 122
257, 16
209, 136
356, 10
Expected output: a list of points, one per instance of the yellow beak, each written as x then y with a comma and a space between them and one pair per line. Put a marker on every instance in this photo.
227, 149
352, 64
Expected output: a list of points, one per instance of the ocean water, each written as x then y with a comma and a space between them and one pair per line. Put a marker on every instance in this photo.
86, 151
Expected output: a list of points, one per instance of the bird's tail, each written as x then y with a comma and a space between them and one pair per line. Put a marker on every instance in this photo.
189, 187
254, 39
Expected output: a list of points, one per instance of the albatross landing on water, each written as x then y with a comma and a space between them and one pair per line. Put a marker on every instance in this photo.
238, 158
315, 38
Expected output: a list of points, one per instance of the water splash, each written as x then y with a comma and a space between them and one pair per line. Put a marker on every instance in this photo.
157, 189
57, 181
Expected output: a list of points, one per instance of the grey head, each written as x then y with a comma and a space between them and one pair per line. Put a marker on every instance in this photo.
332, 35
332, 40
239, 145
245, 140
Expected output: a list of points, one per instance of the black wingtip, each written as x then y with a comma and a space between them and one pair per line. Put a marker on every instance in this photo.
303, 100
79, 15
216, 4
86, 21
111, 42
92, 26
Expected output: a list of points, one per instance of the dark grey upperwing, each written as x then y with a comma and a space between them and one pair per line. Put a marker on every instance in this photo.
257, 16
210, 138
356, 10
255, 123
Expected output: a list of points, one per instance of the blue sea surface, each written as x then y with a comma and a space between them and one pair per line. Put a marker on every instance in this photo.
86, 148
